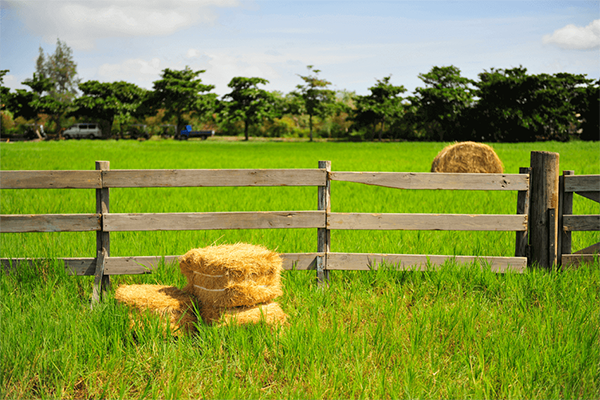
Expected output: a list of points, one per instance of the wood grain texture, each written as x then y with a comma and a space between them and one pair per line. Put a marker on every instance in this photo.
581, 222
575, 260
147, 264
216, 177
137, 265
441, 222
582, 183
594, 196
366, 261
75, 266
300, 261
595, 248
324, 234
50, 180
521, 241
426, 180
543, 197
565, 206
218, 220
103, 238
49, 223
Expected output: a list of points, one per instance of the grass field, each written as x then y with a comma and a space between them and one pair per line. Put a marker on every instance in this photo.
460, 332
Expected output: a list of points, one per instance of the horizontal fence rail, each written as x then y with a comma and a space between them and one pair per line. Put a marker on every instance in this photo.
424, 222
436, 181
364, 262
213, 177
86, 266
50, 179
50, 223
216, 220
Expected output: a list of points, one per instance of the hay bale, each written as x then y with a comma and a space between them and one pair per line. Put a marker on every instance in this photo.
467, 157
167, 301
237, 275
270, 313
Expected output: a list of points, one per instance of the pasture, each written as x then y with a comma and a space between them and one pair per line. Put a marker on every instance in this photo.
459, 332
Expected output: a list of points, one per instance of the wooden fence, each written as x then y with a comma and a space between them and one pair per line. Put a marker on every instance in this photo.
536, 211
587, 186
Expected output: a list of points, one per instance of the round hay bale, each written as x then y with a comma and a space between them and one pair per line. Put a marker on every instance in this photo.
175, 306
467, 157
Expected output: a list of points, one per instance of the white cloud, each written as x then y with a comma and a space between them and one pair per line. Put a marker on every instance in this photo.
13, 82
576, 37
81, 23
140, 71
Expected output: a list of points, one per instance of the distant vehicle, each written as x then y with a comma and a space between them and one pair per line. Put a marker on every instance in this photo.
187, 133
87, 130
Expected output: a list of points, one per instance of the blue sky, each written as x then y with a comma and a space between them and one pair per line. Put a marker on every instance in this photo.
353, 43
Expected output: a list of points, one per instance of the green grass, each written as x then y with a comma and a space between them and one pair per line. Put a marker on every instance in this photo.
455, 333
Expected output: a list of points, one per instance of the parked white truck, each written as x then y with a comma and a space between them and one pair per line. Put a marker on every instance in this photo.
87, 130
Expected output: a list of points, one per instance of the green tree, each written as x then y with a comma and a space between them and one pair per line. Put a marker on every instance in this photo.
248, 103
317, 99
379, 108
5, 95
107, 101
61, 70
30, 104
514, 106
441, 104
179, 94
589, 111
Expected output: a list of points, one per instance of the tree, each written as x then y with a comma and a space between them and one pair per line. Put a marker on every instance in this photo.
61, 71
382, 106
247, 103
5, 97
589, 106
316, 98
179, 93
516, 107
441, 104
107, 101
30, 104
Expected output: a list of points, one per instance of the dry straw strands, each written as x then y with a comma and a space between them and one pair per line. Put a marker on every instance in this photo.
270, 313
467, 157
166, 301
237, 275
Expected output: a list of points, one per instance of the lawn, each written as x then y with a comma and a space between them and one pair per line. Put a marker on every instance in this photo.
459, 332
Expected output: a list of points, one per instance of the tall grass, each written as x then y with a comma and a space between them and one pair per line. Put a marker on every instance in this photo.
458, 332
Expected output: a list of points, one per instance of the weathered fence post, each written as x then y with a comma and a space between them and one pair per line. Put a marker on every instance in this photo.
543, 206
101, 281
323, 234
522, 244
565, 206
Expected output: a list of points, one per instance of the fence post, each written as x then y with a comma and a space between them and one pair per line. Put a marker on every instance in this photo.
323, 234
544, 197
565, 206
521, 246
101, 281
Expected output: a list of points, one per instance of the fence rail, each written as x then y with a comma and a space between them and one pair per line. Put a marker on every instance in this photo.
587, 186
323, 220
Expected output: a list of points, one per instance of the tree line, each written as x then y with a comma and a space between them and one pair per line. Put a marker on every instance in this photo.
502, 105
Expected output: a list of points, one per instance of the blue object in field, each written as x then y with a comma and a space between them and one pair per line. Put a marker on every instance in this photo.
187, 133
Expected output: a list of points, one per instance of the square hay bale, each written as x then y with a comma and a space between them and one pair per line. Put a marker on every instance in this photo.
233, 275
270, 313
176, 306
